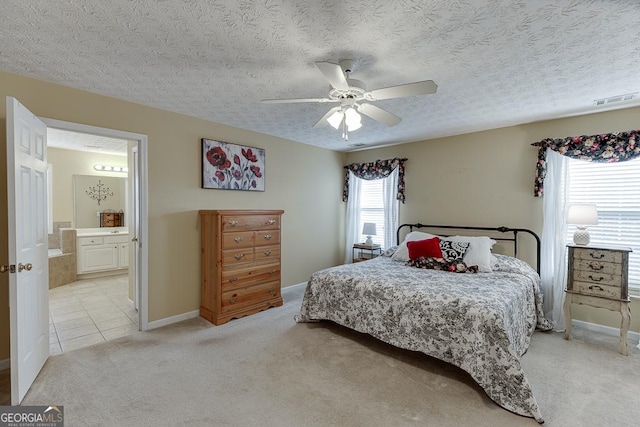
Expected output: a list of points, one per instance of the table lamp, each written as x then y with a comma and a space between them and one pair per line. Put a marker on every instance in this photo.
582, 215
369, 230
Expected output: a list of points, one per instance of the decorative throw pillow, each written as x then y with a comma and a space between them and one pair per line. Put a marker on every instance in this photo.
479, 252
389, 252
402, 254
453, 250
424, 248
454, 266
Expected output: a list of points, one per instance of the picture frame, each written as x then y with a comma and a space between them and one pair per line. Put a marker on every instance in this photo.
227, 166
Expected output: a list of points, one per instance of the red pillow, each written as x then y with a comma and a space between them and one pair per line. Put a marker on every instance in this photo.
429, 248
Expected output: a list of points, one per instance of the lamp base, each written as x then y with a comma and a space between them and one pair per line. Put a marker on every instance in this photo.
369, 242
581, 236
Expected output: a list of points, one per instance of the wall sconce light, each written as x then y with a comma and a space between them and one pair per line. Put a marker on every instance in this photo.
108, 168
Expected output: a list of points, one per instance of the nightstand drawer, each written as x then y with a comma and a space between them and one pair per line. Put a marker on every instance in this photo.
599, 267
598, 290
597, 255
598, 278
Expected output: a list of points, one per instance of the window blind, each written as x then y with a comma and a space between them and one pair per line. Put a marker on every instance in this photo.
615, 189
372, 209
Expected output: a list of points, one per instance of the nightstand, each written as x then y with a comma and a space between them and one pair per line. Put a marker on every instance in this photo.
365, 252
598, 277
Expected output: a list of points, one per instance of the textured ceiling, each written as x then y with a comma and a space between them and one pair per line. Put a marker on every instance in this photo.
496, 62
58, 138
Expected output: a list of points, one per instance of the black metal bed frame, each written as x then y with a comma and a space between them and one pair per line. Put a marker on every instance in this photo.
513, 239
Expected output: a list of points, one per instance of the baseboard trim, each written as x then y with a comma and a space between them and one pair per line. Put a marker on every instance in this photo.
173, 319
296, 285
607, 330
5, 364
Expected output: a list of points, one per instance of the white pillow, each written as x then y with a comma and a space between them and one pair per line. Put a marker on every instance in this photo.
479, 252
402, 253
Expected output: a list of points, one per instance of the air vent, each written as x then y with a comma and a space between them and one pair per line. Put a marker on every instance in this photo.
617, 98
357, 145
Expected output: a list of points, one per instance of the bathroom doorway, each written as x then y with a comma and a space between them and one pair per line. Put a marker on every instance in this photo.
97, 267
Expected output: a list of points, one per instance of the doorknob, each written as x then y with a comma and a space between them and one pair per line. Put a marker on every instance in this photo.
4, 268
135, 239
22, 266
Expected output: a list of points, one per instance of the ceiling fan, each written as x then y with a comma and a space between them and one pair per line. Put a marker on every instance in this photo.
353, 97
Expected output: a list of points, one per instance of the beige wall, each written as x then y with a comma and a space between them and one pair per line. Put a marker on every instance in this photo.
305, 181
67, 163
486, 179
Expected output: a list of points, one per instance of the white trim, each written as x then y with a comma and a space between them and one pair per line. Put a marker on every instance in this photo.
143, 240
173, 319
607, 330
5, 364
293, 286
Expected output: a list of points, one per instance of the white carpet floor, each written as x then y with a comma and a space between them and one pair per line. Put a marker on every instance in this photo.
266, 370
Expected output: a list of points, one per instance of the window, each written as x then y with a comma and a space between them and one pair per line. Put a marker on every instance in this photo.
615, 189
372, 209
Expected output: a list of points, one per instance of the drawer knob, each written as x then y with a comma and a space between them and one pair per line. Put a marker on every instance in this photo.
599, 255
596, 287
238, 256
272, 291
267, 253
596, 267
233, 300
267, 237
233, 223
271, 221
233, 279
599, 279
238, 239
272, 272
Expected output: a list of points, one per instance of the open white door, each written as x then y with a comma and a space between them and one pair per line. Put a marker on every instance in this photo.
28, 261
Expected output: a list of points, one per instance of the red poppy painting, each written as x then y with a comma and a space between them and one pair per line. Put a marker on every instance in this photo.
228, 166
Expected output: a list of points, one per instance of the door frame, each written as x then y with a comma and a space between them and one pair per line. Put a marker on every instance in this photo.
142, 171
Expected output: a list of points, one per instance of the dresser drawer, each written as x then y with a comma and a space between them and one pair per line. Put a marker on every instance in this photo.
597, 255
267, 237
267, 252
236, 256
599, 267
250, 222
241, 239
240, 298
598, 278
599, 290
232, 279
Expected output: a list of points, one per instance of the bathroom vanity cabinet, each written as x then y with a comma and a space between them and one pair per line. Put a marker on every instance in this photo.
102, 252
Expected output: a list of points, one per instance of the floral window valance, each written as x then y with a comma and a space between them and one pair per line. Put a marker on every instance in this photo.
605, 148
375, 170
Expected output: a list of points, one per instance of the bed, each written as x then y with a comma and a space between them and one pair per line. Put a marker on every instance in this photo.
480, 322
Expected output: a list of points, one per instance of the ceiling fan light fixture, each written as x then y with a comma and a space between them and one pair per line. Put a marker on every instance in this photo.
352, 119
336, 119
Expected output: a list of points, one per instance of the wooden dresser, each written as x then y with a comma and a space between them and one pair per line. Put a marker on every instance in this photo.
240, 263
598, 277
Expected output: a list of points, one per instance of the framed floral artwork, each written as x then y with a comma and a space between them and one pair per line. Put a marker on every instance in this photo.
227, 166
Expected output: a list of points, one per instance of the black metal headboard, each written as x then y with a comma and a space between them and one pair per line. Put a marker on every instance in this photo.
514, 232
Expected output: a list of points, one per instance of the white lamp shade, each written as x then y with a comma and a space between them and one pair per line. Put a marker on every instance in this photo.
335, 119
369, 229
582, 214
353, 119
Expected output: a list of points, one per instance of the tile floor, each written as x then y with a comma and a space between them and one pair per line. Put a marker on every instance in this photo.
89, 312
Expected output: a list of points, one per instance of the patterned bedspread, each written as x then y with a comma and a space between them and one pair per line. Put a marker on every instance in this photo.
481, 323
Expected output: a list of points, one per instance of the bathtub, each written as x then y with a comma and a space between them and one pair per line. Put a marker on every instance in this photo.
54, 252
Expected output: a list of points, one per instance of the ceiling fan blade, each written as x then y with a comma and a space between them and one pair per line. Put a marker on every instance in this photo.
410, 89
297, 100
323, 120
333, 73
378, 114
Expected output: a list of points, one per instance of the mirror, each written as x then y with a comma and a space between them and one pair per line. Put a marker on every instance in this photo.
93, 195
